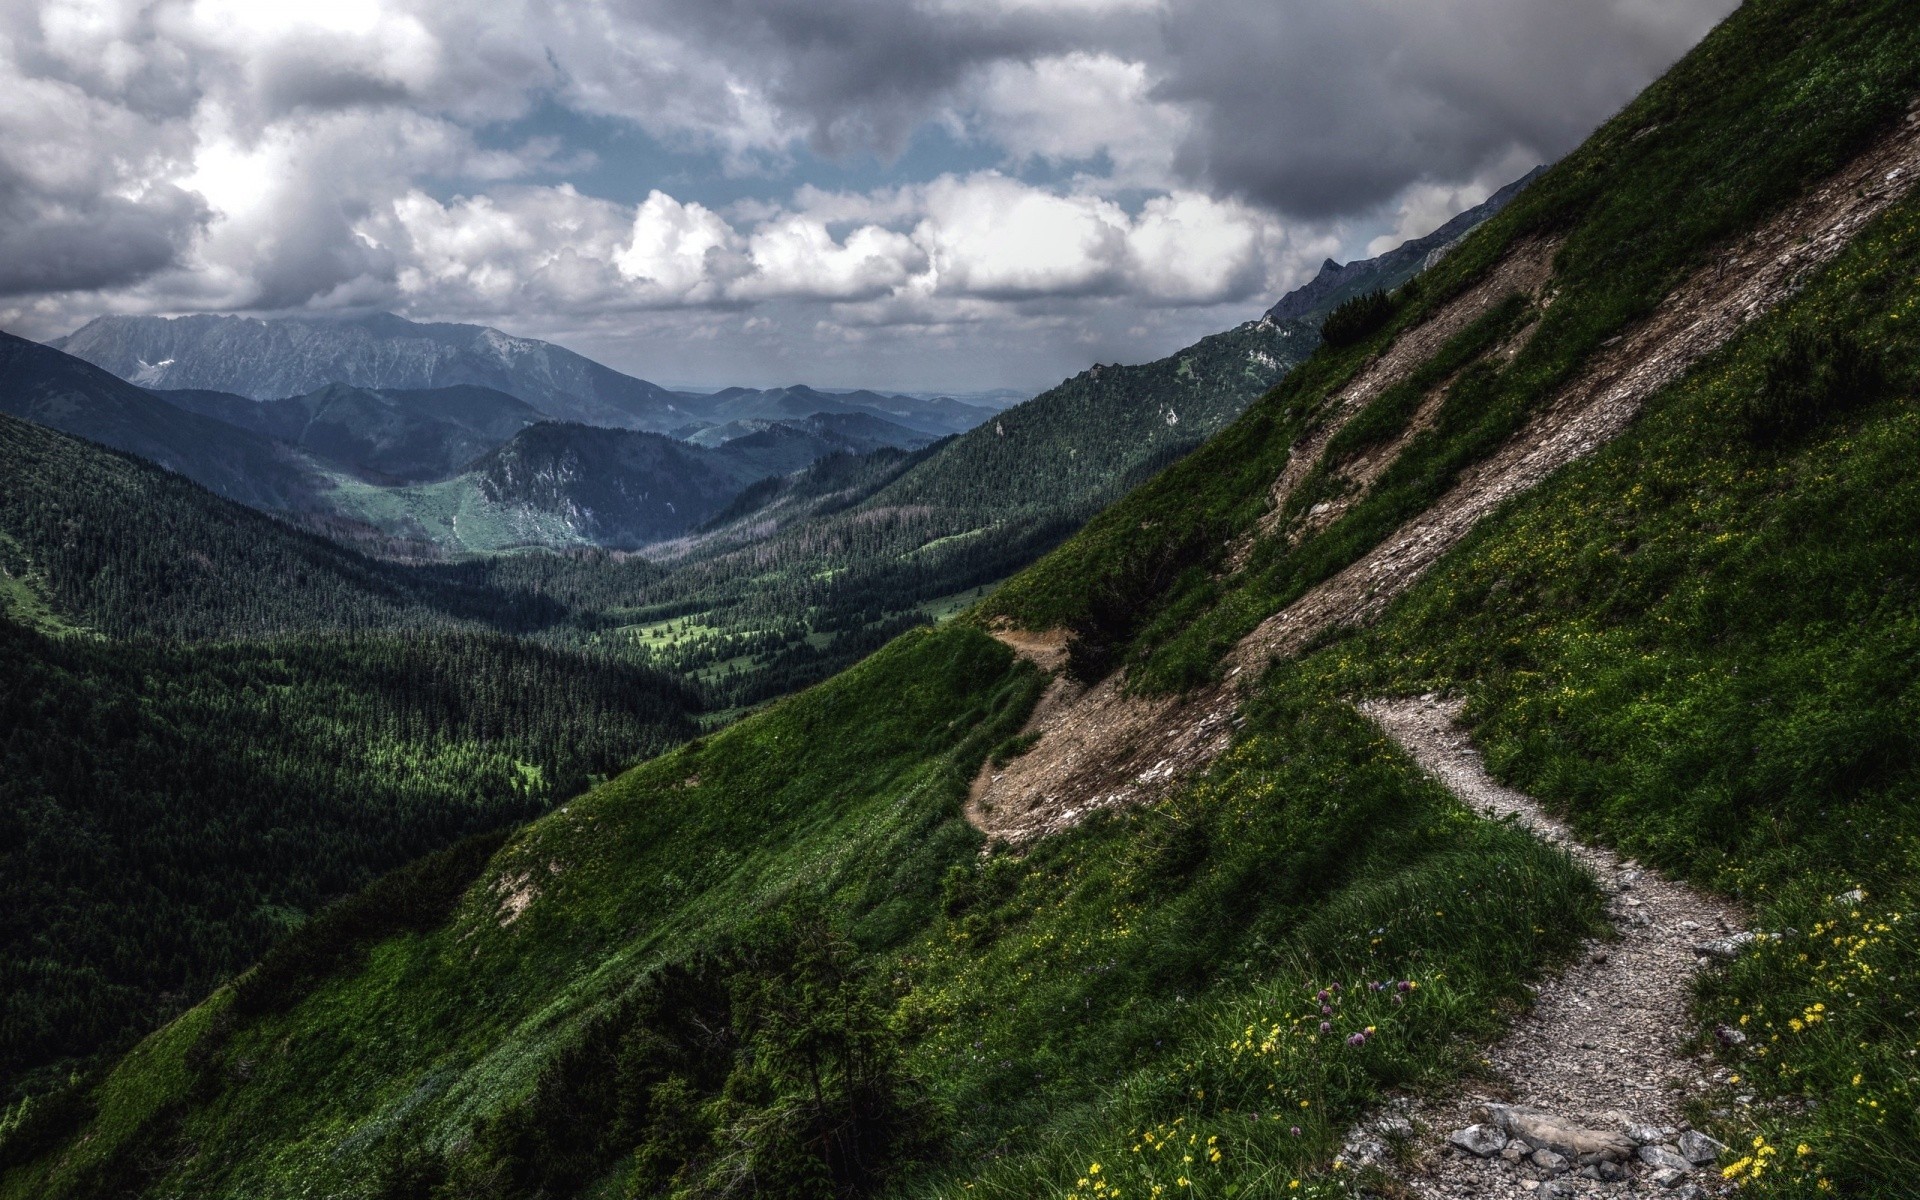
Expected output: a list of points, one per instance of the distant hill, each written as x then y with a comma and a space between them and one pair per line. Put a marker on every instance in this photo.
386, 435
938, 416
849, 432
61, 392
292, 356
115, 544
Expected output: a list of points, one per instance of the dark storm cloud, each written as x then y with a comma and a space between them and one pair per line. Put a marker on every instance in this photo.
1322, 109
54, 243
860, 75
1313, 108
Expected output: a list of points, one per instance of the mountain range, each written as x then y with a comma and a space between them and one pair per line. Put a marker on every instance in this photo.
427, 432
271, 359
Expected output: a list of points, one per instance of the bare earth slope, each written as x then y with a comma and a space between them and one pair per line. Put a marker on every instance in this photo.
1109, 748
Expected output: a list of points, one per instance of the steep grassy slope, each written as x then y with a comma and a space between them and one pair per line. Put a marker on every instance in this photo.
777, 963
1160, 933
165, 814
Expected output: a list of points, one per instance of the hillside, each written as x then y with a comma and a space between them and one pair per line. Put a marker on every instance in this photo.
387, 436
935, 417
59, 391
119, 546
233, 723
1112, 888
556, 485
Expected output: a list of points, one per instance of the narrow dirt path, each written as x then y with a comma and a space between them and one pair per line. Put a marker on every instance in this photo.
1601, 1049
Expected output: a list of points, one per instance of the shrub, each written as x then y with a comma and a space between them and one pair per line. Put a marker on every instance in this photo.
1812, 379
1120, 599
1357, 319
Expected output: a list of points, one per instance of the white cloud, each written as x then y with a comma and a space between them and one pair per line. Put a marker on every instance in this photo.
175, 155
685, 252
1078, 105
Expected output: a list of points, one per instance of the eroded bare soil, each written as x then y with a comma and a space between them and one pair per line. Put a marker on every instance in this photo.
1103, 747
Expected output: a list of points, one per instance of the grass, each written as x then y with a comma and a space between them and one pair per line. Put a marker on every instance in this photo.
1703, 646
1163, 932
453, 513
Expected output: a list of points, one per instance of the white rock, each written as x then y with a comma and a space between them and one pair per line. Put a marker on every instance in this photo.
1483, 1141
1726, 947
1699, 1149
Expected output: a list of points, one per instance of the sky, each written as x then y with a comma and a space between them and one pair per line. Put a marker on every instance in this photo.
914, 194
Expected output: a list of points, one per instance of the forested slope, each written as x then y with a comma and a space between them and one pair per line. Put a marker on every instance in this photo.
212, 724
122, 547
777, 962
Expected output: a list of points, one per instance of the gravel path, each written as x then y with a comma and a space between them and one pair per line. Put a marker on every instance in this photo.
1601, 1047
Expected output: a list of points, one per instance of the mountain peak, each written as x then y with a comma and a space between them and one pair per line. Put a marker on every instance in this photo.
1313, 300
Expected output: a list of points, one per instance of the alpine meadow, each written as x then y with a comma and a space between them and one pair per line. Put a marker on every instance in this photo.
1451, 728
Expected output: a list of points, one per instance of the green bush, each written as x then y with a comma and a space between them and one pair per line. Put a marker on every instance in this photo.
1812, 379
1357, 319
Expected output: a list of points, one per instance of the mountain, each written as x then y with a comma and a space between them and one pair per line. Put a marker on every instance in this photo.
60, 391
935, 416
291, 356
555, 484
214, 724
1176, 914
387, 436
849, 432
1313, 300
114, 544
863, 547
868, 545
